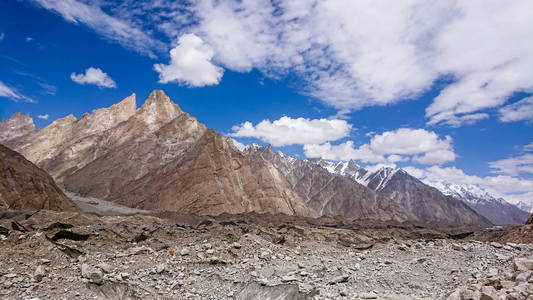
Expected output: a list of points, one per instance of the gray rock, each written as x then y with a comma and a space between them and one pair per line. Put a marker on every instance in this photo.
488, 293
39, 273
524, 276
184, 252
496, 245
523, 264
370, 295
93, 274
339, 279
106, 268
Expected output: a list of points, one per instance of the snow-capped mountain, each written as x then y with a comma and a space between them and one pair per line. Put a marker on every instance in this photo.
333, 187
497, 210
524, 206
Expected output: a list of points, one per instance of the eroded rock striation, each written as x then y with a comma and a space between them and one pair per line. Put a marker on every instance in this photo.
157, 157
23, 186
332, 194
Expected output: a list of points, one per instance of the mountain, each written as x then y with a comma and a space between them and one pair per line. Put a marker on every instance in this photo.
331, 194
425, 202
524, 206
23, 186
157, 157
17, 126
497, 210
530, 220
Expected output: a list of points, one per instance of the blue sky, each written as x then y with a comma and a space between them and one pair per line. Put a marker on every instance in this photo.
460, 98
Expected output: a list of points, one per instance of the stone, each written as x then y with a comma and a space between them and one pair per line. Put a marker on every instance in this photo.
184, 252
161, 268
523, 264
210, 251
524, 276
93, 274
265, 255
488, 293
289, 278
236, 245
492, 272
496, 245
370, 295
339, 279
39, 273
106, 268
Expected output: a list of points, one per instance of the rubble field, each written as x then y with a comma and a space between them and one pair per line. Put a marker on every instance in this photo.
72, 255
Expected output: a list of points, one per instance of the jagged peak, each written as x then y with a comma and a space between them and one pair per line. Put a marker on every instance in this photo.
159, 98
158, 109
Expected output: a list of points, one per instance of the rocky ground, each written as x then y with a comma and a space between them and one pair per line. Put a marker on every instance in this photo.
69, 255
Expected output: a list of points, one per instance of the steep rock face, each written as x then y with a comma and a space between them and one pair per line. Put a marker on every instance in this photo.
530, 220
424, 201
23, 186
497, 210
158, 157
331, 194
15, 127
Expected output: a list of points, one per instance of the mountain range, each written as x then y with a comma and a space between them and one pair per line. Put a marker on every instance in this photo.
399, 185
157, 157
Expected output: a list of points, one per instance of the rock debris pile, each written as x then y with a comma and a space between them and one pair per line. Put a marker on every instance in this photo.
249, 257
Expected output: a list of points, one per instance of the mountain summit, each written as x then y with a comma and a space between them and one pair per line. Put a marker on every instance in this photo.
156, 157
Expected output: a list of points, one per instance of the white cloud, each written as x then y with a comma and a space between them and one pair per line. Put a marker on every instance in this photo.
288, 131
113, 28
28, 39
94, 76
2, 36
349, 64
519, 111
350, 54
44, 117
343, 151
12, 93
514, 165
528, 147
419, 145
190, 64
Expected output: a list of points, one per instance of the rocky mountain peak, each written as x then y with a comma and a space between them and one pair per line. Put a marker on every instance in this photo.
158, 109
17, 126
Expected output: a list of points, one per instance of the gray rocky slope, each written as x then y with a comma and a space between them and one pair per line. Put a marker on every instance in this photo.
323, 185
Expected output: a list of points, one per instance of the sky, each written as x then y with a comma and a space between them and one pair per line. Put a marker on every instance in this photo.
444, 90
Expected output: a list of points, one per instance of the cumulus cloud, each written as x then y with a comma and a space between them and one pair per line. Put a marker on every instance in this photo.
349, 64
94, 76
350, 54
519, 111
12, 93
289, 131
419, 145
91, 15
514, 165
190, 64
44, 117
